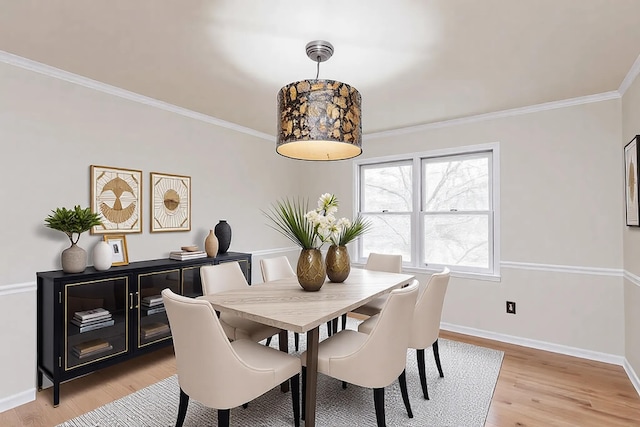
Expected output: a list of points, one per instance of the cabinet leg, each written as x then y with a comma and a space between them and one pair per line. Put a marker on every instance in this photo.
56, 393
40, 380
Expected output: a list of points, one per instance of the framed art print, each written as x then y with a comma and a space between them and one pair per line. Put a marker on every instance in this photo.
116, 195
631, 182
170, 202
118, 245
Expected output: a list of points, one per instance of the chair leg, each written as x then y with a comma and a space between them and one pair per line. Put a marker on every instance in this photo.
344, 321
334, 325
269, 341
245, 405
436, 355
304, 391
344, 385
182, 408
329, 327
295, 398
223, 417
402, 379
296, 338
423, 377
378, 403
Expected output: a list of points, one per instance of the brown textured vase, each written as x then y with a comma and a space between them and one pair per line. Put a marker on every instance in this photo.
310, 270
338, 263
211, 244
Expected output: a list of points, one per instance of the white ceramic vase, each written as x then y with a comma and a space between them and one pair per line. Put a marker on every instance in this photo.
102, 256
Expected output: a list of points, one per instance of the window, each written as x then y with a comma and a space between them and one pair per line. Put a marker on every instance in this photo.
435, 209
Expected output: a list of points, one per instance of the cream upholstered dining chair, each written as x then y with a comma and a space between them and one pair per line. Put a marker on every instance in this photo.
389, 263
278, 268
218, 373
372, 360
228, 276
425, 326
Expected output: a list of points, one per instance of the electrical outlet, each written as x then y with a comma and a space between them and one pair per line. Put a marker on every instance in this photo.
511, 307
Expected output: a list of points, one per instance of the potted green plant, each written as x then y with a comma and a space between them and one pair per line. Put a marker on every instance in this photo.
310, 229
73, 222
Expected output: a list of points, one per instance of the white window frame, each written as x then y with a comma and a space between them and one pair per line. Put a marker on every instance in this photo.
493, 272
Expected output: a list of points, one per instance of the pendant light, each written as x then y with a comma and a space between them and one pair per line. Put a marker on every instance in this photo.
319, 119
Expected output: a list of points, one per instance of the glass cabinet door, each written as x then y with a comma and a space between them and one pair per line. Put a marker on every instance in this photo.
153, 324
191, 284
96, 318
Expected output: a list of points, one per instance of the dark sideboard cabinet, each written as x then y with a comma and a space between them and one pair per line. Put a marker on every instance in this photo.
94, 319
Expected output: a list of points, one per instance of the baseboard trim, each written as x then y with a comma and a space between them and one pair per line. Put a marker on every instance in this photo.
547, 346
632, 375
17, 399
540, 345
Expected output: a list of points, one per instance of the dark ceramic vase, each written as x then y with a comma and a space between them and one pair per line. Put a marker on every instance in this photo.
223, 233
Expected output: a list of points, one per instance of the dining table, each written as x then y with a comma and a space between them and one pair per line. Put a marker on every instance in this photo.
285, 305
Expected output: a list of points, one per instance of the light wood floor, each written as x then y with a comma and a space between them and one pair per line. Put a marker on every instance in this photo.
535, 388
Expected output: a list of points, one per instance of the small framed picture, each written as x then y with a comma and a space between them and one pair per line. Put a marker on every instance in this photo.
631, 155
118, 244
170, 202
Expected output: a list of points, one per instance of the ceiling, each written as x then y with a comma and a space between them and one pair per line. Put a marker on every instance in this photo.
414, 62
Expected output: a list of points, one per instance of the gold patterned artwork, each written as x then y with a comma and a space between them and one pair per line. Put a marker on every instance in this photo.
116, 196
170, 202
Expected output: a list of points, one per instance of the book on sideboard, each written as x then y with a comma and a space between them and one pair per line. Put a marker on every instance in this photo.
185, 255
91, 314
91, 347
93, 325
154, 329
155, 310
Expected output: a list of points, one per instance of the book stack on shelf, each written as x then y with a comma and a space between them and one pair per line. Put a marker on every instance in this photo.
185, 255
152, 305
90, 320
91, 348
153, 329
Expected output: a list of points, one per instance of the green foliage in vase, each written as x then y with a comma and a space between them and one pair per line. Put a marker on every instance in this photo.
72, 221
288, 217
310, 229
351, 232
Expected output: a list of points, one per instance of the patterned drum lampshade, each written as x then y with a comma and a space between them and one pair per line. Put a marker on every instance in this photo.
319, 119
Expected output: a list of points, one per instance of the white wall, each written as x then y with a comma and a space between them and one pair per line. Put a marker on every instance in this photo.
52, 130
561, 205
631, 128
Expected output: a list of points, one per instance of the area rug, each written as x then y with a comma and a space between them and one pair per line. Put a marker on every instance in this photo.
461, 398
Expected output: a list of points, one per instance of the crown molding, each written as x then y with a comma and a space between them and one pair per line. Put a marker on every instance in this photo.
630, 77
27, 64
47, 70
605, 96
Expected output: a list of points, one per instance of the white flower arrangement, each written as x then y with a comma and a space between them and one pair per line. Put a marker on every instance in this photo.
312, 229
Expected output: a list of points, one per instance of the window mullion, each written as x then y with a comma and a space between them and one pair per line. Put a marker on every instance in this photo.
416, 223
